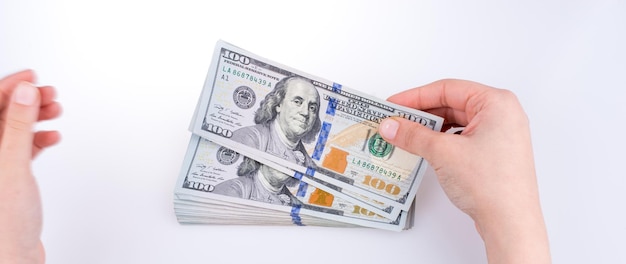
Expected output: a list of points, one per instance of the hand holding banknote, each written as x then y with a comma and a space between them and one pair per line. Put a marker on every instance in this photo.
294, 129
488, 171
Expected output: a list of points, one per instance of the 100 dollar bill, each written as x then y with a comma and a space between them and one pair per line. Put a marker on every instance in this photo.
211, 171
256, 106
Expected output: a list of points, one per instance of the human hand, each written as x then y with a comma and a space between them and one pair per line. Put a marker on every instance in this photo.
21, 106
488, 171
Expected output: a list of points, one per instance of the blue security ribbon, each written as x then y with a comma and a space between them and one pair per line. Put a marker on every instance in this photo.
295, 215
336, 88
302, 189
295, 208
321, 141
310, 171
332, 105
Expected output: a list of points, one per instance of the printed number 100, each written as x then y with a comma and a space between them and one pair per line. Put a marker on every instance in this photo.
379, 184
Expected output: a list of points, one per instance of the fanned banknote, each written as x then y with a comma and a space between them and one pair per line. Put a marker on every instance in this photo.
280, 115
368, 204
213, 185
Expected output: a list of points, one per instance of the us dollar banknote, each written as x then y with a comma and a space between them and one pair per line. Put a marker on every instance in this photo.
213, 174
319, 128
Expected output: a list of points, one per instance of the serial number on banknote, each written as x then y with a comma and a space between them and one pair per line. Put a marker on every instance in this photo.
243, 75
378, 169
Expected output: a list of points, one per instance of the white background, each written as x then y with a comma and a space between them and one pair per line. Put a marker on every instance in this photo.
129, 74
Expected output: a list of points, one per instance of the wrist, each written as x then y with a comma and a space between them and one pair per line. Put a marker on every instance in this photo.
514, 235
35, 255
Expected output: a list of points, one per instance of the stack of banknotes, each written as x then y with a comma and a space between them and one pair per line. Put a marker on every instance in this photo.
272, 145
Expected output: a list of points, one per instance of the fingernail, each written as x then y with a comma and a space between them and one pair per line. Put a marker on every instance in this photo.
388, 128
25, 94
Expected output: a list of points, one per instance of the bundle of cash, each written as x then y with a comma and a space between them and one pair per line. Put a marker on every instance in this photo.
272, 145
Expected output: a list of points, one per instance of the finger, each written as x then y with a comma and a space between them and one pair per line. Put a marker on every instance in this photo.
460, 95
48, 94
22, 112
451, 116
49, 111
44, 139
49, 108
9, 83
413, 137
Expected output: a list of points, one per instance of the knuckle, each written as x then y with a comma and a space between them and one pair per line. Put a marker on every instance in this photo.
18, 125
414, 141
506, 95
509, 99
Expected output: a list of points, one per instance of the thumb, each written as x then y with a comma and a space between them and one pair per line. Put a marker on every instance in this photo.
412, 137
21, 115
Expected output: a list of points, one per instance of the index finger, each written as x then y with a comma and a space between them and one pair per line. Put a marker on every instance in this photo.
456, 100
